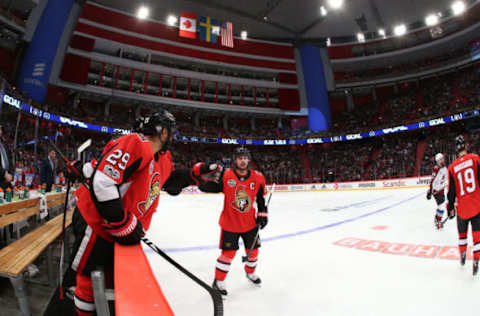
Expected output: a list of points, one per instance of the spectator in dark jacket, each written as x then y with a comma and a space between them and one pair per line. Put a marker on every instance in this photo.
47, 171
6, 166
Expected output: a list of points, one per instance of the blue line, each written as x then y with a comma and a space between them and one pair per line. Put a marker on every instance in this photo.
299, 233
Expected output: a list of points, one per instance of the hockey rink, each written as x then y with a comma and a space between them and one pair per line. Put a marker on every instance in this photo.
323, 253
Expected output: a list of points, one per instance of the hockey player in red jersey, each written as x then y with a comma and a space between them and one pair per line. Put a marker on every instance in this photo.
437, 188
241, 187
125, 185
464, 193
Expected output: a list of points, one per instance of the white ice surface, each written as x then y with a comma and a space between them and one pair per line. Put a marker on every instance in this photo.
306, 274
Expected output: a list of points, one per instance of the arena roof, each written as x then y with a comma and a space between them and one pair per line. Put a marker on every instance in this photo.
290, 19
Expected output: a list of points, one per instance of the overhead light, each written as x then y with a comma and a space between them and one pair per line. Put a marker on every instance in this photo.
382, 33
400, 30
172, 20
458, 7
323, 11
143, 12
243, 35
431, 20
361, 37
335, 4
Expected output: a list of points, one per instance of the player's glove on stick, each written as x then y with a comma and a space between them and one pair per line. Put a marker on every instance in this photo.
262, 219
451, 212
202, 173
429, 195
127, 232
74, 171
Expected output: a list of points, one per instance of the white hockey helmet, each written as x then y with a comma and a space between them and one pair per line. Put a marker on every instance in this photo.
438, 157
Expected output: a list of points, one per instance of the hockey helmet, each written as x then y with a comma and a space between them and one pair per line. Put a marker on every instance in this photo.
154, 123
241, 151
438, 157
460, 143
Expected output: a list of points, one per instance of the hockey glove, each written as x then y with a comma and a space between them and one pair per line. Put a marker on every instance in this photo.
74, 171
429, 195
202, 173
127, 232
451, 212
262, 219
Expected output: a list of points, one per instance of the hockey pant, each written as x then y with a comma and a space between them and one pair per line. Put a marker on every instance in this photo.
229, 246
462, 225
441, 205
91, 252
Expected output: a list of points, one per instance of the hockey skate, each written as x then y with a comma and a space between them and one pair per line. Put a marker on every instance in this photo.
475, 267
255, 279
220, 287
463, 258
438, 223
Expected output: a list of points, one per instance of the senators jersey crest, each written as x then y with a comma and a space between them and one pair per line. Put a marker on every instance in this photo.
154, 191
242, 201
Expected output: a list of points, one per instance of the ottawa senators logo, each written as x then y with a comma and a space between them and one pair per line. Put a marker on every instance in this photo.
242, 202
153, 193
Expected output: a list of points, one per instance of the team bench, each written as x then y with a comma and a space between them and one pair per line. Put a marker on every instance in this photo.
18, 255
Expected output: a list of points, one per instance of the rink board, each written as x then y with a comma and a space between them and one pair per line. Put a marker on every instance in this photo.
387, 184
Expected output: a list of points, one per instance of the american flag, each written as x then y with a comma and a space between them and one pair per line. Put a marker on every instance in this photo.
226, 32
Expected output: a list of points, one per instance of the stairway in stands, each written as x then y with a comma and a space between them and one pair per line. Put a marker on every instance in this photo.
302, 153
373, 156
421, 146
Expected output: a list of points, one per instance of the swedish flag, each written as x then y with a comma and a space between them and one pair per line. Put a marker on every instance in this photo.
209, 29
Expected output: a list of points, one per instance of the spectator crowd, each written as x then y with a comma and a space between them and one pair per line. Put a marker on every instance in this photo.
399, 155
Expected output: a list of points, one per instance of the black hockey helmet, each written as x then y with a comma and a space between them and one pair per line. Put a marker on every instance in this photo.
154, 123
241, 151
460, 143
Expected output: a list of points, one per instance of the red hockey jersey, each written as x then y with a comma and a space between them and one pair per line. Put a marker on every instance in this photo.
128, 170
463, 186
238, 213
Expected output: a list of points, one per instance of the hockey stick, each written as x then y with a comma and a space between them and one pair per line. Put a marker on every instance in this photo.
245, 258
80, 149
216, 296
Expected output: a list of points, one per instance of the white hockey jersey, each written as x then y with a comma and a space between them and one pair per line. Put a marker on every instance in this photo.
439, 179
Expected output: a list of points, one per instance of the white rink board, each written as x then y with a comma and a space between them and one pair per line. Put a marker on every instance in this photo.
304, 272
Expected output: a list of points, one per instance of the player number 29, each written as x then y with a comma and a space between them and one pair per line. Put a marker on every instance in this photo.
469, 180
116, 155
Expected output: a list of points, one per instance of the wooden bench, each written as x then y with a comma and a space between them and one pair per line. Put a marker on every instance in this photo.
19, 211
16, 212
17, 256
